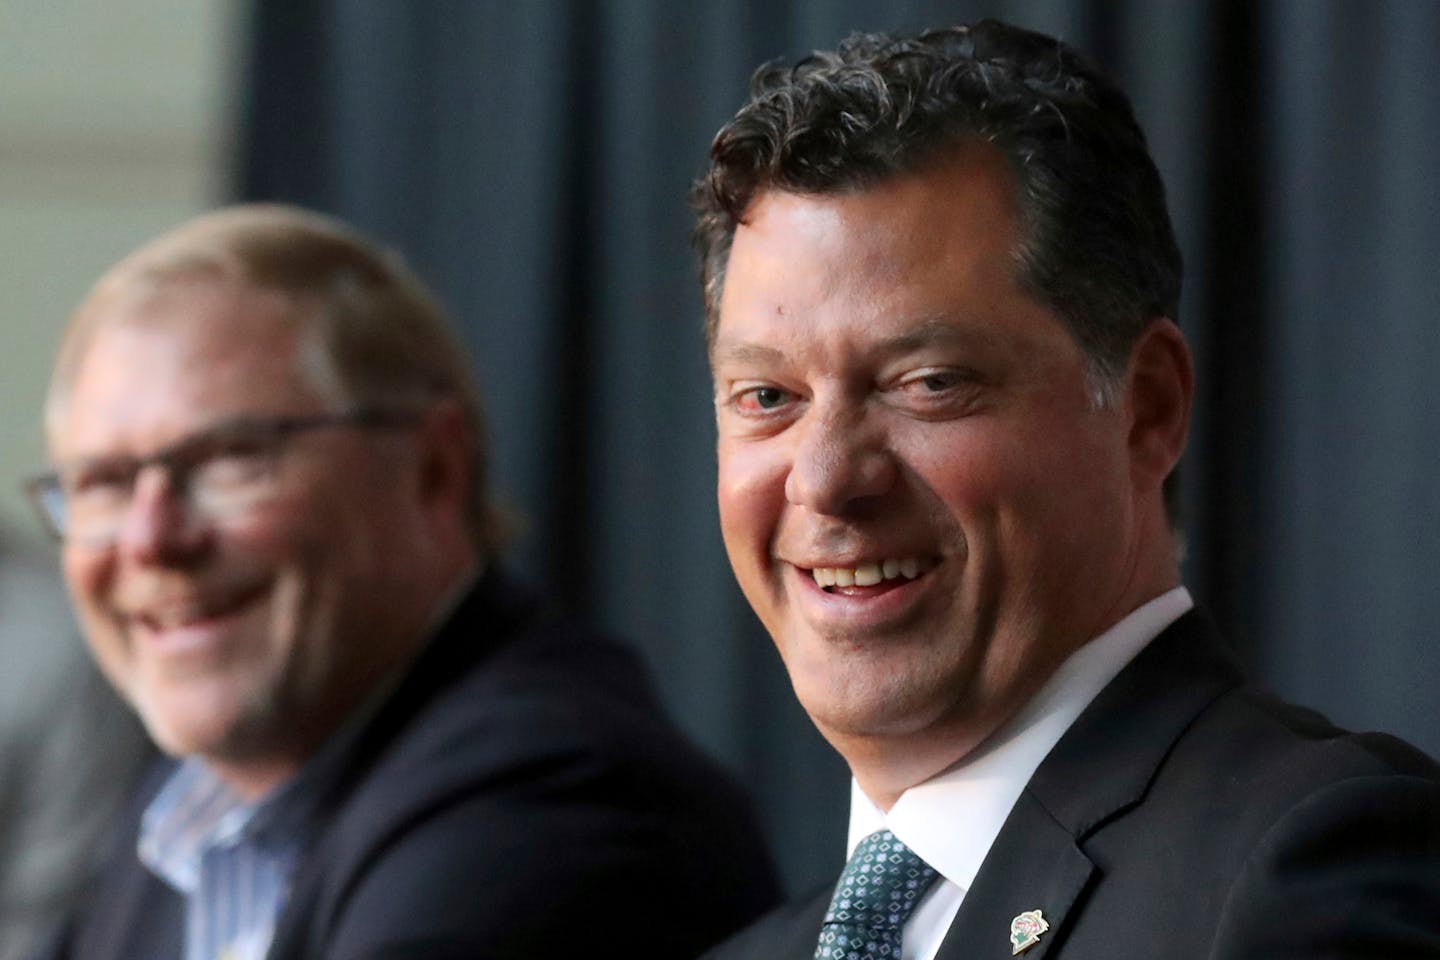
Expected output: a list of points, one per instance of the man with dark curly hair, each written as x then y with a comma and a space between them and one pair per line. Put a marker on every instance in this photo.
941, 287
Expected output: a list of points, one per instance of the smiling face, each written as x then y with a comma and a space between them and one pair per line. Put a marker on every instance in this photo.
916, 493
244, 638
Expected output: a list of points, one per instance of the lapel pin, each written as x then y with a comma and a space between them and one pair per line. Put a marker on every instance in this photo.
1025, 931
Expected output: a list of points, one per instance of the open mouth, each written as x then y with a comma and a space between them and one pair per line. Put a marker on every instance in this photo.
873, 574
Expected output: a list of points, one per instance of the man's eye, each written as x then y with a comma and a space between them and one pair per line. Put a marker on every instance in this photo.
102, 481
761, 399
939, 391
935, 381
234, 463
233, 468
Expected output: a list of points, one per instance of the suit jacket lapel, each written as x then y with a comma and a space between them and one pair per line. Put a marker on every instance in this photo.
151, 923
1101, 767
1033, 865
1108, 758
134, 915
801, 936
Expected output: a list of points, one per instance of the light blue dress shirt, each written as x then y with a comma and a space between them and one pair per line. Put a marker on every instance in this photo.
231, 860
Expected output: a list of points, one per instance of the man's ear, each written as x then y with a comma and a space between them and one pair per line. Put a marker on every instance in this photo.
1159, 389
446, 472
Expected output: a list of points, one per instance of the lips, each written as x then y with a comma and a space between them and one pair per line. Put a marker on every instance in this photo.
180, 611
861, 608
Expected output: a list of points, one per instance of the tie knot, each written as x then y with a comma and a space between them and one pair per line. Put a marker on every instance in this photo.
881, 883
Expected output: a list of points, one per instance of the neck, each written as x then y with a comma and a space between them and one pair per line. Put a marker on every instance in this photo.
254, 780
884, 768
886, 765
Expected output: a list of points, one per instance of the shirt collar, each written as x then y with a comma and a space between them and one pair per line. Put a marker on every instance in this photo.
981, 791
196, 811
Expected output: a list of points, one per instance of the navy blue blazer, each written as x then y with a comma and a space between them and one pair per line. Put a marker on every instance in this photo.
1186, 815
520, 795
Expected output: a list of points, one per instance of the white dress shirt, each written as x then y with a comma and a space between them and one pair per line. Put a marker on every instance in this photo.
951, 820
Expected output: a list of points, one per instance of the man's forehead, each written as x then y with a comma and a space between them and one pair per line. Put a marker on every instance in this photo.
202, 330
165, 364
960, 199
910, 252
161, 299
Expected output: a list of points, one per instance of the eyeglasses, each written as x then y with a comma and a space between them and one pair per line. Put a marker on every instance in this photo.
220, 472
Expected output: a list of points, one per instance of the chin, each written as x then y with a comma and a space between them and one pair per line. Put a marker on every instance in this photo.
195, 719
182, 740
870, 721
869, 705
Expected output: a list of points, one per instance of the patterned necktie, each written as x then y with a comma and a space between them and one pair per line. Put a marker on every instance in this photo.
880, 885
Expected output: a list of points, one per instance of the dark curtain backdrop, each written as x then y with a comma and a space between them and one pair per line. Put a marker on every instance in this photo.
532, 158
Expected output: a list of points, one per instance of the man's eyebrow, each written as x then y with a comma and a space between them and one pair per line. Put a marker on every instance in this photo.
197, 439
744, 352
937, 330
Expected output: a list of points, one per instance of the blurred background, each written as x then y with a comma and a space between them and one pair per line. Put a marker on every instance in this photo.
532, 159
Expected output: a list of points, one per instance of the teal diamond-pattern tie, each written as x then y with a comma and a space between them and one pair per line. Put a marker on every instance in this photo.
880, 885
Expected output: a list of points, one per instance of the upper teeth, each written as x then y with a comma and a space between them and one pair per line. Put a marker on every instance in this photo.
869, 574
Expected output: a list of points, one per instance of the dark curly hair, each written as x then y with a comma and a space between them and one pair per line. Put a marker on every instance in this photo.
1097, 246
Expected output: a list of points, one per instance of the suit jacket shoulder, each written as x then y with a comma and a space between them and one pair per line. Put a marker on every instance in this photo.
546, 785
1187, 812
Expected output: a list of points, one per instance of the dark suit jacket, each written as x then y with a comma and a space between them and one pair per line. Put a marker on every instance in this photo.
1184, 814
519, 795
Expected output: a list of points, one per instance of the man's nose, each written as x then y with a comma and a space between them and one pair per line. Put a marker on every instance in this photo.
840, 460
160, 525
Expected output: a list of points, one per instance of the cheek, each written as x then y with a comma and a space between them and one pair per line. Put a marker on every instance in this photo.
970, 470
751, 497
333, 557
89, 577
287, 539
1026, 465
750, 492
1060, 500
